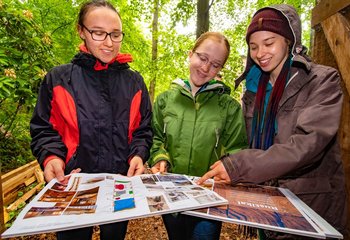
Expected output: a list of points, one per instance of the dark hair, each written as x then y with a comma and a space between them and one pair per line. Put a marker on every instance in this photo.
84, 9
216, 36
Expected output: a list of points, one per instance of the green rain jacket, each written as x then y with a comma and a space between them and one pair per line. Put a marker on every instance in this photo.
191, 133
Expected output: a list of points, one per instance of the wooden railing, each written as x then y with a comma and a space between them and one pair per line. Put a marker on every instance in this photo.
15, 181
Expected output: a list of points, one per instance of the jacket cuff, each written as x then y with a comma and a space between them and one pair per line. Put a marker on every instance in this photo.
141, 151
230, 168
48, 159
158, 158
131, 157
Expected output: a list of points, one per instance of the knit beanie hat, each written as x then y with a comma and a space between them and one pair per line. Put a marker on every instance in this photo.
269, 19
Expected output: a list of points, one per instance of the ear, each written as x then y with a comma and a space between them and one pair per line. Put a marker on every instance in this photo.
289, 42
190, 53
81, 32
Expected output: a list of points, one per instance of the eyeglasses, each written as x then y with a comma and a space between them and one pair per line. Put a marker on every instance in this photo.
99, 35
205, 60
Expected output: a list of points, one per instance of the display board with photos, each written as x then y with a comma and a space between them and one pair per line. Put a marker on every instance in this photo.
94, 199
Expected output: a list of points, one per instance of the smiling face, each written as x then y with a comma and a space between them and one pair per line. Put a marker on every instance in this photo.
101, 19
206, 61
269, 50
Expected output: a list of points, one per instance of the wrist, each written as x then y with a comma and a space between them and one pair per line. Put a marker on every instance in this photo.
50, 158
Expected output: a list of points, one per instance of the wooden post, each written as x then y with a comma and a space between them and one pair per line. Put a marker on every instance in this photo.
331, 21
2, 218
339, 42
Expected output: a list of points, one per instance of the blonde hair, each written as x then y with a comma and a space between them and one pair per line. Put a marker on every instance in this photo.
216, 36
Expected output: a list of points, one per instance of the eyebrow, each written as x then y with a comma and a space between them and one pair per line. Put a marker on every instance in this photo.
269, 38
264, 40
217, 61
97, 28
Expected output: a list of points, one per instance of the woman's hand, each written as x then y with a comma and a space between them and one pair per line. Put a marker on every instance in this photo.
136, 166
218, 172
161, 166
55, 169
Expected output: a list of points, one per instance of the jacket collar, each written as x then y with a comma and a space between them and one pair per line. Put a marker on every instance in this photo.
212, 85
297, 80
121, 58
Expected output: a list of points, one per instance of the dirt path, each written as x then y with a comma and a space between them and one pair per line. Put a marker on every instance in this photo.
144, 229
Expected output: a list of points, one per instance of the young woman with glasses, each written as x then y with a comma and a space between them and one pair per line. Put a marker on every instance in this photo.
195, 122
94, 114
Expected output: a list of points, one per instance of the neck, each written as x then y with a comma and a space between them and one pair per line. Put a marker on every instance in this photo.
276, 72
194, 89
273, 80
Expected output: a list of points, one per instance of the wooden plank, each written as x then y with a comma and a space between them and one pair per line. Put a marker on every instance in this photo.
30, 180
10, 197
337, 31
6, 216
2, 215
17, 180
39, 174
24, 198
17, 171
345, 144
13, 181
326, 8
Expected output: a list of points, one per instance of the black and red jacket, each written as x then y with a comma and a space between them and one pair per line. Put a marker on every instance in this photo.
93, 116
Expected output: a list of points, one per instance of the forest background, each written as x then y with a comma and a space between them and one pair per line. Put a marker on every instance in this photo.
36, 35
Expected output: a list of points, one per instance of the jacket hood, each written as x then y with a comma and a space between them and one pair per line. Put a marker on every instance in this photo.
213, 85
298, 51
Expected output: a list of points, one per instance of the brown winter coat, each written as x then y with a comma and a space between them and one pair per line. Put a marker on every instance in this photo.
305, 156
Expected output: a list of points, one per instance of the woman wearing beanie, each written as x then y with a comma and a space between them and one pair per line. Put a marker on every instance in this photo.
292, 109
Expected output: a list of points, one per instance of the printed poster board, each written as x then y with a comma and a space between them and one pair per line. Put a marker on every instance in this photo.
94, 199
270, 208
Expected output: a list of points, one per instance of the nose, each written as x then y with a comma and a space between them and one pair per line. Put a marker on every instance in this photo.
206, 67
108, 41
260, 52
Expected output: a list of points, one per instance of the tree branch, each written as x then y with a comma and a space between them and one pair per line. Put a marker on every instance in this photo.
211, 4
66, 24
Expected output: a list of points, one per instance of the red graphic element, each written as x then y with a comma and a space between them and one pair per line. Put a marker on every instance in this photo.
119, 186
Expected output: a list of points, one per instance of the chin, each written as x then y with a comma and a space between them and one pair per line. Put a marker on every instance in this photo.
106, 60
266, 69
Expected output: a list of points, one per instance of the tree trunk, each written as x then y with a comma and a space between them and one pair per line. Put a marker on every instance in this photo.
202, 17
154, 66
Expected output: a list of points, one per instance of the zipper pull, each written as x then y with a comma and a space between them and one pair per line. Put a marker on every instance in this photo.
217, 133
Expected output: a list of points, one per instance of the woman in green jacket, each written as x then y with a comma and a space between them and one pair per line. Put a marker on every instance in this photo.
196, 122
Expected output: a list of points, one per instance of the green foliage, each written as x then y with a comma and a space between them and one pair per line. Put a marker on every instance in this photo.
58, 20
15, 146
25, 56
183, 12
135, 41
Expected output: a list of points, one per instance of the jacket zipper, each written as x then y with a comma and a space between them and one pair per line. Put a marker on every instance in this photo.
217, 134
